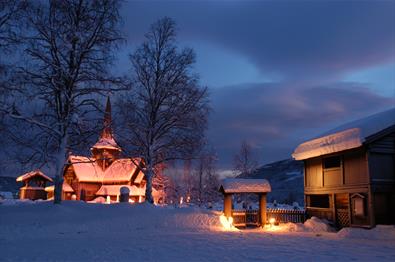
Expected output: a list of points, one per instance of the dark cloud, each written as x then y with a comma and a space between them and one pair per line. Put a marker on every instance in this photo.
275, 118
310, 45
307, 39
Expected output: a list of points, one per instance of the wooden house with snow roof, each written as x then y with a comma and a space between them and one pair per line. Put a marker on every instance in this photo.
34, 184
349, 174
104, 172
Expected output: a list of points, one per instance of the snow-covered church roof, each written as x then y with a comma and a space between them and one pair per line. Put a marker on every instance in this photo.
243, 185
121, 170
348, 136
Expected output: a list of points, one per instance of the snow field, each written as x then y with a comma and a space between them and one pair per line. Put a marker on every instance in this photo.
77, 231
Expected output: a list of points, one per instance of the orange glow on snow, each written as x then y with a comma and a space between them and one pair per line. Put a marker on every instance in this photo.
227, 223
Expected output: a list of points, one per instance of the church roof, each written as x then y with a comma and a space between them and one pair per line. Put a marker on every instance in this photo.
87, 169
32, 174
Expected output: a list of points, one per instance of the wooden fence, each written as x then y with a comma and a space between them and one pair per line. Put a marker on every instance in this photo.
285, 215
251, 218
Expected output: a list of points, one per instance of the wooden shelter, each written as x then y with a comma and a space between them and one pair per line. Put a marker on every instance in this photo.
34, 185
232, 186
349, 174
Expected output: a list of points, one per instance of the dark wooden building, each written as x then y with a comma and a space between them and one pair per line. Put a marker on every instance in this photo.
349, 174
34, 185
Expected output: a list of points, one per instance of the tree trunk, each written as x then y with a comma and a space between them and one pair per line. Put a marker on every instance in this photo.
148, 189
60, 162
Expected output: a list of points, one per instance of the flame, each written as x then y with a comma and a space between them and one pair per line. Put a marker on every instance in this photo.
227, 223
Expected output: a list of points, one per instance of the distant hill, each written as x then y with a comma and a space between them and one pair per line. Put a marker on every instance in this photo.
286, 180
9, 184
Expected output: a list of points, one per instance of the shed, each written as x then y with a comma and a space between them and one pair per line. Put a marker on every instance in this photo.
34, 185
232, 186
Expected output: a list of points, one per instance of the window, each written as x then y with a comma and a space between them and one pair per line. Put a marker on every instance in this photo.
332, 162
321, 201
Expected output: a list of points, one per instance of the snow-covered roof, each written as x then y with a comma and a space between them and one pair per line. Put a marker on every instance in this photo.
87, 169
107, 143
348, 136
32, 174
114, 190
65, 188
243, 185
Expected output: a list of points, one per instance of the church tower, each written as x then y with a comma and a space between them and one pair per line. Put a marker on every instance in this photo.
106, 150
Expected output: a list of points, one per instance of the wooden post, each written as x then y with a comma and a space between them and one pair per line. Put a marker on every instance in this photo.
228, 205
262, 208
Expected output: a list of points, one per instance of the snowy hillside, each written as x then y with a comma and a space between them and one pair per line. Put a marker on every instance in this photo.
286, 180
77, 231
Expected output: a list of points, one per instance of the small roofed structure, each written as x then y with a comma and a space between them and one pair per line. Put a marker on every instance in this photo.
34, 185
232, 186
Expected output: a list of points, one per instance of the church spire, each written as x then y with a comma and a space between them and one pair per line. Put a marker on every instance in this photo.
106, 139
107, 130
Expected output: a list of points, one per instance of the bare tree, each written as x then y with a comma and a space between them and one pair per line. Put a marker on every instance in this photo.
68, 51
10, 22
208, 182
11, 26
244, 162
166, 114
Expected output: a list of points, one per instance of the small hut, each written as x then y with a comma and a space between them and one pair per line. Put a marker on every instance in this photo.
34, 185
232, 186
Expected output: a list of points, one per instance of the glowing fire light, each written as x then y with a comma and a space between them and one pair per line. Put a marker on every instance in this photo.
181, 200
108, 200
272, 221
226, 222
140, 199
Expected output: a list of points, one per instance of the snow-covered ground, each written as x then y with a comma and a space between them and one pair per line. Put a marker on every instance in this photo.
75, 231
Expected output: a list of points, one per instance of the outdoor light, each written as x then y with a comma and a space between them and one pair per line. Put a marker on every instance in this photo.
227, 223
272, 221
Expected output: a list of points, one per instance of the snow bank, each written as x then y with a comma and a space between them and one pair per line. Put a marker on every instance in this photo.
313, 224
380, 232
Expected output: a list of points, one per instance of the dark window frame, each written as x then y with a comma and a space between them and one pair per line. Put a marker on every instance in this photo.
332, 163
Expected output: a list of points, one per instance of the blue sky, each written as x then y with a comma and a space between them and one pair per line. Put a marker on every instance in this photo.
280, 72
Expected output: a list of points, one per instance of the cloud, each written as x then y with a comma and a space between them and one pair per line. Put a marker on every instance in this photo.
300, 40
276, 117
